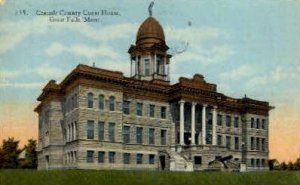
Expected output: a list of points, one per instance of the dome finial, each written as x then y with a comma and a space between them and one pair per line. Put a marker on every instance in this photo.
150, 8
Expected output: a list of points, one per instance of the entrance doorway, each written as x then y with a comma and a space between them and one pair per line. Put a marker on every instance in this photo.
187, 138
162, 160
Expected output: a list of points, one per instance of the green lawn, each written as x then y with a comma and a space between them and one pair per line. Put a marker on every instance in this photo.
85, 177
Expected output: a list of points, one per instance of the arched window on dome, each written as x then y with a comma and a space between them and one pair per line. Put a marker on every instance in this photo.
112, 103
101, 102
90, 101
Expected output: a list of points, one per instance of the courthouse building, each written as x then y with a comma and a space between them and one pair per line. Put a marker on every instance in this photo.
100, 119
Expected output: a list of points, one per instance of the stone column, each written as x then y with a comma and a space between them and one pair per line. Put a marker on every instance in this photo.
193, 123
204, 124
214, 125
181, 132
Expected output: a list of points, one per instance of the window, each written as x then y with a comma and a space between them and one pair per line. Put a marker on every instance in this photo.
257, 143
126, 158
163, 112
101, 131
198, 160
90, 100
263, 124
101, 102
111, 157
219, 139
163, 137
219, 120
228, 141
252, 122
236, 143
90, 129
263, 144
257, 123
126, 107
236, 122
111, 132
252, 162
228, 121
151, 136
151, 158
147, 66
139, 158
252, 143
263, 162
139, 109
257, 163
101, 156
111, 103
139, 135
89, 156
151, 110
126, 134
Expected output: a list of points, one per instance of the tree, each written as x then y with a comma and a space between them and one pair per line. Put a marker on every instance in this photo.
290, 166
9, 153
297, 164
30, 155
283, 166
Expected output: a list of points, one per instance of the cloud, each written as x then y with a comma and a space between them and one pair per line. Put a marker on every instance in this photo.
30, 85
89, 52
275, 75
2, 2
236, 73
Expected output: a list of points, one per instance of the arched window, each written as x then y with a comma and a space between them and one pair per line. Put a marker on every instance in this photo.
90, 100
111, 103
101, 102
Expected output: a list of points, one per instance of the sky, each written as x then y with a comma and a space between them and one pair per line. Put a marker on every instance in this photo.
245, 47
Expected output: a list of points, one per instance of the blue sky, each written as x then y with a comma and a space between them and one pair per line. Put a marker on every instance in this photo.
245, 47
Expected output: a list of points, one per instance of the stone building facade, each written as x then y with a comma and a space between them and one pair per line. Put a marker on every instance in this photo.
100, 119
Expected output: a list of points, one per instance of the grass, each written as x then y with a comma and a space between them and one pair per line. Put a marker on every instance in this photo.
90, 177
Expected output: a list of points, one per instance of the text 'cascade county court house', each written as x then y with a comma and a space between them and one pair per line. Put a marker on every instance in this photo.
100, 119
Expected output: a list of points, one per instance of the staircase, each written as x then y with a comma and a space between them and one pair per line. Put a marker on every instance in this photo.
178, 162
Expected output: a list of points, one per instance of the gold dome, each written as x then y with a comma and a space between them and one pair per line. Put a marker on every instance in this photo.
150, 32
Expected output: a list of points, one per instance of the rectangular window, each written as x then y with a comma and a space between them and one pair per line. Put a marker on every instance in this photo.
257, 123
90, 156
126, 107
163, 111
263, 162
252, 143
111, 132
228, 121
163, 137
252, 122
151, 136
101, 131
236, 122
147, 66
151, 158
228, 142
197, 160
139, 109
219, 139
236, 143
139, 158
139, 135
101, 156
126, 134
126, 158
263, 124
90, 129
219, 120
257, 163
111, 157
252, 162
258, 144
101, 102
151, 110
263, 144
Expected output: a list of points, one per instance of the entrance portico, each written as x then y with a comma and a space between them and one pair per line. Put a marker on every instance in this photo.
188, 133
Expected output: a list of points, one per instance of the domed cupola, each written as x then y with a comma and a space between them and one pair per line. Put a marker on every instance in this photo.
149, 58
